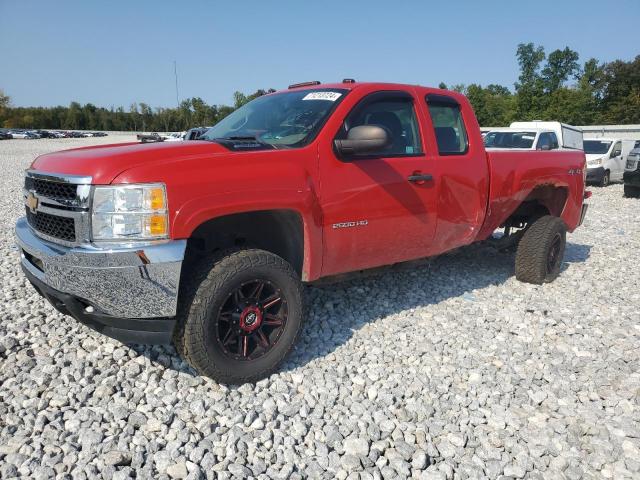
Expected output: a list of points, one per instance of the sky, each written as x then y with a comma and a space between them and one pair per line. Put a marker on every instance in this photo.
116, 52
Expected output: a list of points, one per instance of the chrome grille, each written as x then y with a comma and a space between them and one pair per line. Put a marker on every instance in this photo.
57, 206
632, 162
52, 190
63, 228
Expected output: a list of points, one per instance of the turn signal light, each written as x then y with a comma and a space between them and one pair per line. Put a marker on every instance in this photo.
157, 225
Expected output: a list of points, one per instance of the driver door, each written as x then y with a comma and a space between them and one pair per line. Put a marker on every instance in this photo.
375, 211
618, 162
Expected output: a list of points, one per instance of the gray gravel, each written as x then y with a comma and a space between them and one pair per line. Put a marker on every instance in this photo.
451, 370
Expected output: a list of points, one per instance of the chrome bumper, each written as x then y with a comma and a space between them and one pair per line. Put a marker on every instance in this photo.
123, 281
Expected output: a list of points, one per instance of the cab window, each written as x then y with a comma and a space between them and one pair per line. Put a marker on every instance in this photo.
547, 141
448, 125
396, 114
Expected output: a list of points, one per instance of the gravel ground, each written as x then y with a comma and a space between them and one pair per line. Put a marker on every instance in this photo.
445, 371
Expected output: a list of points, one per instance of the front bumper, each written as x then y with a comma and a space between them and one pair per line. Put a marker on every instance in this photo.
127, 292
595, 174
632, 178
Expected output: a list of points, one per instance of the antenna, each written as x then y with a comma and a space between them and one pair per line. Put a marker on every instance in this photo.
175, 72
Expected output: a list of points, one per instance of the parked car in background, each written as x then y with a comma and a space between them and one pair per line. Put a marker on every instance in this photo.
46, 133
4, 135
72, 134
520, 139
149, 137
212, 239
605, 162
568, 136
631, 177
174, 137
18, 133
25, 134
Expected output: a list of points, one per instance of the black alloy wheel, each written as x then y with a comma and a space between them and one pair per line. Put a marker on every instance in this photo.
240, 313
251, 320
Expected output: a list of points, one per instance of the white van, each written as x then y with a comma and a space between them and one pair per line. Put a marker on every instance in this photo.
568, 135
605, 161
521, 139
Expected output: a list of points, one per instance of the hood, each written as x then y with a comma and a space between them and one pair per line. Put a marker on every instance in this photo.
105, 162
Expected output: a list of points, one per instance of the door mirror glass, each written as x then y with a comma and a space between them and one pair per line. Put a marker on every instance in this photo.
362, 140
615, 153
544, 146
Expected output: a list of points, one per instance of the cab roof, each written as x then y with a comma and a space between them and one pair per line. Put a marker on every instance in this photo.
354, 85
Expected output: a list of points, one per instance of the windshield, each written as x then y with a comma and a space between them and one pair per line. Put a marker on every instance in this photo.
596, 146
509, 139
289, 119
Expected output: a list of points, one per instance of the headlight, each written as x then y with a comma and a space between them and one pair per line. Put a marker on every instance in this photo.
134, 212
595, 162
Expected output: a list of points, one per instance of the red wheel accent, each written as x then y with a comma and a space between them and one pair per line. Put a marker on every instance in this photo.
251, 320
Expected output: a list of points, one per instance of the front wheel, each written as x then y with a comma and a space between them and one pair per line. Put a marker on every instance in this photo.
541, 250
631, 191
241, 318
606, 179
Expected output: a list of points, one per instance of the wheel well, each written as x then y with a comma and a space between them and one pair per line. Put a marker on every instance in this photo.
276, 231
543, 200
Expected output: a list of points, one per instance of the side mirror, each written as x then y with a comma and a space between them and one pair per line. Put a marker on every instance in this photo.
362, 140
544, 146
615, 153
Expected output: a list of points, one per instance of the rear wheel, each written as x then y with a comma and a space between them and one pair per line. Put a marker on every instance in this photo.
631, 192
541, 250
241, 317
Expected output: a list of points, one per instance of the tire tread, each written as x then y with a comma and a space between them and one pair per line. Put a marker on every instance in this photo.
531, 256
209, 275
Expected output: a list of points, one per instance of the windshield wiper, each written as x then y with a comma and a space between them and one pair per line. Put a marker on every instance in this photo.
240, 137
246, 138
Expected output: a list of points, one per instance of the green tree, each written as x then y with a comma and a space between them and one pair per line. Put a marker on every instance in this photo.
561, 65
5, 103
530, 86
73, 118
621, 99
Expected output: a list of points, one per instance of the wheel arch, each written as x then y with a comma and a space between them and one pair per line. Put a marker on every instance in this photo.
542, 200
279, 231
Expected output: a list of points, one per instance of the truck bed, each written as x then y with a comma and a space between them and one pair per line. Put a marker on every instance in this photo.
516, 176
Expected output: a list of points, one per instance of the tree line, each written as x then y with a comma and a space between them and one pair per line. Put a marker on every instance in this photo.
550, 87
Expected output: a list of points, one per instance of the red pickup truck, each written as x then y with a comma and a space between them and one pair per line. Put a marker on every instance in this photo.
206, 243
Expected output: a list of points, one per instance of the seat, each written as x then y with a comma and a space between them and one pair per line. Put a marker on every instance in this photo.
447, 140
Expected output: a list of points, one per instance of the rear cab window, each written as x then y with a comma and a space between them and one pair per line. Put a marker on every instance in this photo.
549, 140
448, 124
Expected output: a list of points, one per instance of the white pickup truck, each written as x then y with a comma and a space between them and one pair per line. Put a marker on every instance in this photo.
521, 139
535, 135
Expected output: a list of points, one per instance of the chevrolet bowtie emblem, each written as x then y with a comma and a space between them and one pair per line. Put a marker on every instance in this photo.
32, 202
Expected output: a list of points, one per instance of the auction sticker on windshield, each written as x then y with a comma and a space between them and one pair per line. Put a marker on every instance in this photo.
331, 96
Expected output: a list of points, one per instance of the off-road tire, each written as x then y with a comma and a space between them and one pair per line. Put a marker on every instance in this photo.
631, 191
206, 285
540, 251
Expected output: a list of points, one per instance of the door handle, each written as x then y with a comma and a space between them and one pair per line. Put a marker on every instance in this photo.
419, 178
